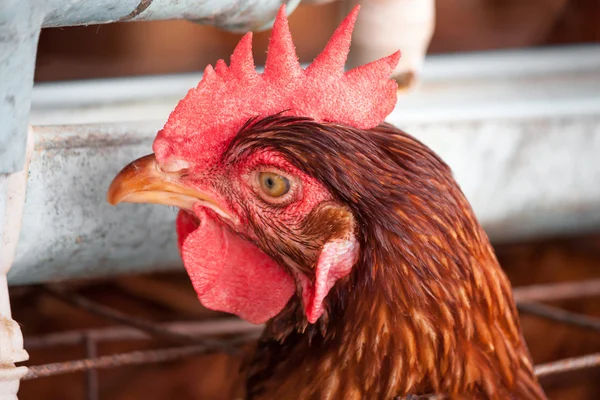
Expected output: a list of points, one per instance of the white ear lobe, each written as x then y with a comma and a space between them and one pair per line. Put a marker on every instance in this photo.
336, 260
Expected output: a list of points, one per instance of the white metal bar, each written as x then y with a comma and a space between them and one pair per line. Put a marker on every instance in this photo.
523, 146
21, 22
12, 199
472, 86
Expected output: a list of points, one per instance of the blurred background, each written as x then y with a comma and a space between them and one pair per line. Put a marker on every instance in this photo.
154, 48
164, 47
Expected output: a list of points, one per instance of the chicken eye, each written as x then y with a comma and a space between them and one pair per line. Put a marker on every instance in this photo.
273, 185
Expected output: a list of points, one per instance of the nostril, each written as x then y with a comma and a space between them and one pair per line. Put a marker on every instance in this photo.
161, 147
175, 165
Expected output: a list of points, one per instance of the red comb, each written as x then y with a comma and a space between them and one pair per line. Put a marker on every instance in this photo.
226, 97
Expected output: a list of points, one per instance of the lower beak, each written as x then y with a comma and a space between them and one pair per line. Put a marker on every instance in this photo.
143, 181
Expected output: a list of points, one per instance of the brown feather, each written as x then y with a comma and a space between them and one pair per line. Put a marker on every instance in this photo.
427, 307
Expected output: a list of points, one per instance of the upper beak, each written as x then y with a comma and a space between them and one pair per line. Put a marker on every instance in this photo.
142, 181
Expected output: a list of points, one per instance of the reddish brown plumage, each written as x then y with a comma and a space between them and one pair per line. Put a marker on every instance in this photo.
427, 307
374, 275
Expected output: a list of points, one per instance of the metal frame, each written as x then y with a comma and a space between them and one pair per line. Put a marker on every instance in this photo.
523, 144
536, 111
20, 25
21, 22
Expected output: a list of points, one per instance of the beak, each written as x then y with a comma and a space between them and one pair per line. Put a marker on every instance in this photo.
143, 181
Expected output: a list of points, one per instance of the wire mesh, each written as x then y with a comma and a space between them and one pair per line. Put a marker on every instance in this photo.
192, 338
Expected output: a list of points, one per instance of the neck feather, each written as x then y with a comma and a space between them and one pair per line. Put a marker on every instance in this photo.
423, 313
426, 309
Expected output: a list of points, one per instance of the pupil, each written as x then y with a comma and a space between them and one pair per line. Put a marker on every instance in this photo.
270, 182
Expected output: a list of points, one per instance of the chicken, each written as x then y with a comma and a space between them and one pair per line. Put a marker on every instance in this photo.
302, 209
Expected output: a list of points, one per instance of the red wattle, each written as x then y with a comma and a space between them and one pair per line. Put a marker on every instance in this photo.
229, 273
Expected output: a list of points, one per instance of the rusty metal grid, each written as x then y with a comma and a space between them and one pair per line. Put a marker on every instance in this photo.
189, 339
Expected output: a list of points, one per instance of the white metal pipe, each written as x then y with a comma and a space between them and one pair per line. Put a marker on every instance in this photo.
523, 147
12, 200
234, 15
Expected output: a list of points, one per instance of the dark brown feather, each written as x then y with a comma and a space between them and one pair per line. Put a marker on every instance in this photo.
426, 309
